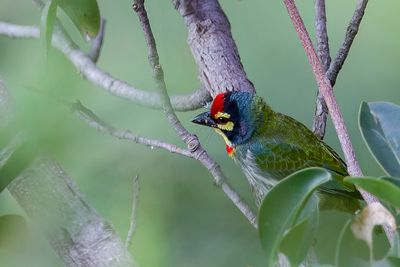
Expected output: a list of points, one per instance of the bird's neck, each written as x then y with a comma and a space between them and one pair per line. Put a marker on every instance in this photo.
258, 115
263, 116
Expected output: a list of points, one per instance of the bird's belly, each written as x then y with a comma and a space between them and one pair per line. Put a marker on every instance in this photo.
260, 181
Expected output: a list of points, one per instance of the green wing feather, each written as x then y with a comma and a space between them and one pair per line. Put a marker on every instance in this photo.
285, 145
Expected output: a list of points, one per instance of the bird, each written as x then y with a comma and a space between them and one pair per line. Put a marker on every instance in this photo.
269, 146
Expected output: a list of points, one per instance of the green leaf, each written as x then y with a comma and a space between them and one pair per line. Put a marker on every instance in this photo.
283, 204
300, 237
13, 231
339, 243
392, 259
393, 180
380, 187
85, 15
379, 124
49, 14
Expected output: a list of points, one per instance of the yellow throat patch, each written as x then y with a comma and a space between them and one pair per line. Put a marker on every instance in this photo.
229, 147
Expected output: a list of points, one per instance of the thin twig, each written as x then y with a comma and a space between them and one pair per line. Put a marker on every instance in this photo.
158, 73
335, 66
99, 77
200, 154
321, 110
94, 121
97, 43
191, 140
135, 201
91, 119
325, 88
351, 32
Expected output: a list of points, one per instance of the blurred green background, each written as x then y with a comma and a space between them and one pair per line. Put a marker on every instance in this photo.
183, 219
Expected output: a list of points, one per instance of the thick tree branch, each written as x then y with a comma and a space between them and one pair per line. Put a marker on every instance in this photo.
190, 140
321, 110
335, 66
74, 229
97, 76
212, 45
325, 88
76, 232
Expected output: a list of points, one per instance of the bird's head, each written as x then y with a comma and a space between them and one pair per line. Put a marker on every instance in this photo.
231, 116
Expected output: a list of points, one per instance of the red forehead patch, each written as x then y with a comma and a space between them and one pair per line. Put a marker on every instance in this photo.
218, 104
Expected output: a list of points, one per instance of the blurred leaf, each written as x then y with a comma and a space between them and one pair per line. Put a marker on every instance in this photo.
8, 146
6, 106
379, 124
393, 257
283, 204
16, 163
340, 241
393, 180
300, 237
349, 250
85, 14
49, 14
380, 187
395, 248
13, 231
395, 262
387, 262
372, 215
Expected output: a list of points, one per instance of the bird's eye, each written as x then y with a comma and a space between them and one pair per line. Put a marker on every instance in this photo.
222, 120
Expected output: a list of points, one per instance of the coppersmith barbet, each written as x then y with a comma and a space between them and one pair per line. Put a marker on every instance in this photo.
268, 145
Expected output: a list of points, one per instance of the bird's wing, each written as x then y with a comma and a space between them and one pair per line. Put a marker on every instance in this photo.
279, 160
333, 161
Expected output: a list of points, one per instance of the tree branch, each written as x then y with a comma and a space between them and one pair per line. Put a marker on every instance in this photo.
76, 232
74, 229
212, 45
97, 76
321, 110
351, 32
326, 90
191, 140
158, 73
91, 119
135, 200
335, 66
322, 33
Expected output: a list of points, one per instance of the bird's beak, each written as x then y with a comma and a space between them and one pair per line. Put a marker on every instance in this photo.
205, 119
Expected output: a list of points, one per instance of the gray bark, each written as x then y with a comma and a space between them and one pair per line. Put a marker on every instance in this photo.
213, 47
77, 233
